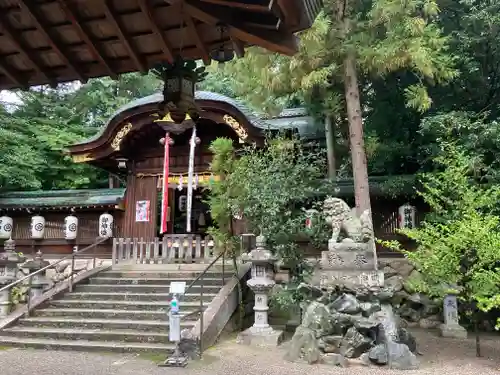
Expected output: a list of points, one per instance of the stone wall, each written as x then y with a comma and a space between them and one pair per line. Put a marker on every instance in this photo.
415, 309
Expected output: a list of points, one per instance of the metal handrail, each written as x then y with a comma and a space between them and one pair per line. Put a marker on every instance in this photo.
200, 277
72, 256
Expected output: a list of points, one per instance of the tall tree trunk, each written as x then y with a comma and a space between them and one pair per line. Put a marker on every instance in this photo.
330, 147
355, 119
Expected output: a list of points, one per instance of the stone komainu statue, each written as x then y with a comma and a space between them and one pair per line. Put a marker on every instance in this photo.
340, 216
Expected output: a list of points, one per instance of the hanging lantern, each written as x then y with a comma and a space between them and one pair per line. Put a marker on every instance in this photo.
106, 225
70, 227
178, 109
406, 216
6, 226
37, 227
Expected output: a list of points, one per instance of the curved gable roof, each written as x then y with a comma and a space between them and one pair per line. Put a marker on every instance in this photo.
199, 95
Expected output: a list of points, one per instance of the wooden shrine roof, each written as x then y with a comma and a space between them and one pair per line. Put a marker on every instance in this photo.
59, 199
53, 41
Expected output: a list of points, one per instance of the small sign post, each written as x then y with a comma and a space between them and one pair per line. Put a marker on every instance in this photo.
177, 359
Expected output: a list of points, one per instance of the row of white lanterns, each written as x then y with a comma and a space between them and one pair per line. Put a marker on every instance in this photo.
70, 227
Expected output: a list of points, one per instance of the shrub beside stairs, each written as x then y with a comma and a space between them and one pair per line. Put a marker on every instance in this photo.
115, 311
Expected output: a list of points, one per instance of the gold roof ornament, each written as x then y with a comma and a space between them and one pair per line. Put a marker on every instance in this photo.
82, 158
117, 140
235, 125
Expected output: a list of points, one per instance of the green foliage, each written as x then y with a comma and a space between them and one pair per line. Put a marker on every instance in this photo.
222, 165
459, 241
269, 187
33, 138
385, 36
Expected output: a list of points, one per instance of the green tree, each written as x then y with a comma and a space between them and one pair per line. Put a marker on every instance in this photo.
459, 241
352, 40
34, 136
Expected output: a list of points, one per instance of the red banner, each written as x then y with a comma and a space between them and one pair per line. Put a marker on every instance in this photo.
164, 193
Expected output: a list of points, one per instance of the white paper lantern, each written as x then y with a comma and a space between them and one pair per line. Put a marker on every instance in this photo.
406, 216
70, 227
6, 226
106, 225
37, 227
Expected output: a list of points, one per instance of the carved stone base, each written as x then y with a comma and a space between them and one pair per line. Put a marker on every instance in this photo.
348, 260
330, 278
347, 244
453, 331
261, 338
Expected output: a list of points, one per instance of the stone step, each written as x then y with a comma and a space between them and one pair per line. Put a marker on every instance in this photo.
88, 334
153, 280
107, 323
87, 346
156, 288
188, 275
143, 306
189, 297
112, 313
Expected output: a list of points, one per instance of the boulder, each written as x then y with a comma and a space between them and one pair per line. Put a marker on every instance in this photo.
399, 298
405, 337
311, 291
409, 313
400, 357
346, 303
330, 344
366, 326
304, 345
395, 283
368, 308
378, 354
389, 272
402, 267
354, 343
317, 318
341, 322
334, 359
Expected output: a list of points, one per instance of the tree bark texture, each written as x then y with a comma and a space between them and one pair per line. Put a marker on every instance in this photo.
356, 136
330, 147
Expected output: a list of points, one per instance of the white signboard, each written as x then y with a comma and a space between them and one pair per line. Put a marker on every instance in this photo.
177, 287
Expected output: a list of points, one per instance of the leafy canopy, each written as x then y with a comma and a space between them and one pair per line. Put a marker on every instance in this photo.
459, 241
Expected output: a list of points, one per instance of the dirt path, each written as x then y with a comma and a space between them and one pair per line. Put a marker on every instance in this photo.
441, 357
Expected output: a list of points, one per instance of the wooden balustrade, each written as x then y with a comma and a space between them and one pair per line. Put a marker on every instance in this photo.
172, 248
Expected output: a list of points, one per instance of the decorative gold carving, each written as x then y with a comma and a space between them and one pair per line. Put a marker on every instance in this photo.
231, 121
82, 158
115, 144
168, 118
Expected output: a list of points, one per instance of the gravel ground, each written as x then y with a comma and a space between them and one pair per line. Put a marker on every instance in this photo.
440, 357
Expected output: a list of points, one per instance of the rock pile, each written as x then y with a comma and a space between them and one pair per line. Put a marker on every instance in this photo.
416, 310
352, 322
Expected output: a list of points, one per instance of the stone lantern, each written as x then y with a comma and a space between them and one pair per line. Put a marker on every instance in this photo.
261, 283
9, 261
39, 281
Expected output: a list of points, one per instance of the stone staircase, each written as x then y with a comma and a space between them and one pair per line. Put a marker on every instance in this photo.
117, 311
